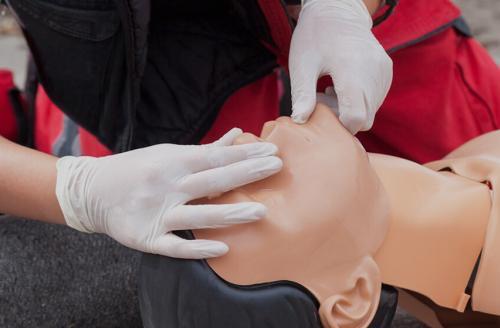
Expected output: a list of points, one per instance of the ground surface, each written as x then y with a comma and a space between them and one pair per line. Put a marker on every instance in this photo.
51, 276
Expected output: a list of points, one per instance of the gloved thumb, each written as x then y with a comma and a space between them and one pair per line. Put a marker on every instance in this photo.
303, 106
303, 79
354, 110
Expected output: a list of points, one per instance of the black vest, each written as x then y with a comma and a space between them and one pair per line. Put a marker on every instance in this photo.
141, 72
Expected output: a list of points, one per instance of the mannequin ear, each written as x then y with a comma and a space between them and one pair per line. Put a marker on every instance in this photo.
354, 306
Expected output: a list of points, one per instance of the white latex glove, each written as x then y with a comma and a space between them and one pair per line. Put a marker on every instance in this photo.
138, 197
333, 37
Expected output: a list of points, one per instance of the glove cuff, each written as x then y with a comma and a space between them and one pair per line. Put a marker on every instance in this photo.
70, 192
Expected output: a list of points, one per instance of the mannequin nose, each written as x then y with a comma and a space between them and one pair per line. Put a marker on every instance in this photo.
246, 138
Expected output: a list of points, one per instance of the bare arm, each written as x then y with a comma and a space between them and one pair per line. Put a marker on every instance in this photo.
28, 183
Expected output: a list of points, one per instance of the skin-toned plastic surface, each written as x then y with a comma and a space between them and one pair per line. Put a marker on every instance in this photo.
479, 160
323, 243
329, 218
438, 224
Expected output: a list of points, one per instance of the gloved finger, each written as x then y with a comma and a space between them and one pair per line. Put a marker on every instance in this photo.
304, 76
174, 246
219, 180
355, 112
210, 158
361, 86
227, 139
185, 217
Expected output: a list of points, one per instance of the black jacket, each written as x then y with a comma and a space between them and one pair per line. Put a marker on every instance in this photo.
141, 72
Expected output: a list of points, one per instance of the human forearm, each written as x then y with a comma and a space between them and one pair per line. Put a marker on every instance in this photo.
27, 183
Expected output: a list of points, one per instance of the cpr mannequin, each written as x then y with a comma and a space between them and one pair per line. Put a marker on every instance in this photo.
338, 230
328, 211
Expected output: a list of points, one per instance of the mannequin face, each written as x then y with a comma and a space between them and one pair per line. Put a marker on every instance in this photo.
327, 216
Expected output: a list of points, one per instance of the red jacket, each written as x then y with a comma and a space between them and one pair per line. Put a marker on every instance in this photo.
8, 124
446, 87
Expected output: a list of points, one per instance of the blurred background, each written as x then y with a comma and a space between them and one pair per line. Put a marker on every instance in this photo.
483, 17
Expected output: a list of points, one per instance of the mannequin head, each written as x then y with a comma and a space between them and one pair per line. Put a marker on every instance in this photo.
327, 218
323, 243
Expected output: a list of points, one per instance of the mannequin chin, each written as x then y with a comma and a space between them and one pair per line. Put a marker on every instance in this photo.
341, 222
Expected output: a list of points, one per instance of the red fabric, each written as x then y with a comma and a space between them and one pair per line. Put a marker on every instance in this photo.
248, 108
48, 122
280, 28
48, 127
446, 91
8, 125
90, 146
413, 19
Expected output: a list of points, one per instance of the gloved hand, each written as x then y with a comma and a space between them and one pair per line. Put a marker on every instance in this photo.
333, 37
139, 197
